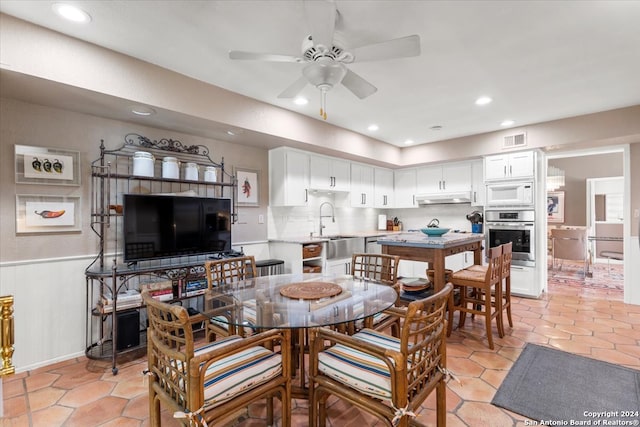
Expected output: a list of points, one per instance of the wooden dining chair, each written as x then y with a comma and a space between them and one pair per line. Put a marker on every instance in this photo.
480, 293
222, 272
381, 268
387, 376
204, 384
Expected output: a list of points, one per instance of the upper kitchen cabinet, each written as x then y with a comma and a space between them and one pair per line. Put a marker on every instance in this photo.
288, 177
328, 173
405, 184
383, 194
455, 177
478, 188
509, 166
362, 181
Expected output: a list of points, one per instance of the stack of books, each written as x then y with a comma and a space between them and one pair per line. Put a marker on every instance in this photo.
126, 300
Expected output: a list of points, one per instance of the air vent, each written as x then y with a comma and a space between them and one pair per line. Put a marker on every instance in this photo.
514, 141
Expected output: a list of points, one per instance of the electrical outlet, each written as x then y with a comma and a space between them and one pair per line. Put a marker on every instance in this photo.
260, 219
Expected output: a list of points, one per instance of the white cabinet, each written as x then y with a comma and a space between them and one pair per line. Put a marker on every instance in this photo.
449, 178
383, 193
508, 166
327, 173
361, 186
405, 181
338, 266
478, 187
288, 177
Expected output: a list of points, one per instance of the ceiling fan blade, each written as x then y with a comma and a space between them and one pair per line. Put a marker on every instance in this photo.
396, 48
294, 89
321, 16
238, 54
359, 86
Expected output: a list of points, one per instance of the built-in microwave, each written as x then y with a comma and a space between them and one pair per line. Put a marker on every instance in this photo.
510, 194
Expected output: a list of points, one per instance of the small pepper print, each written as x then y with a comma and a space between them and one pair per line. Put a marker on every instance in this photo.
57, 166
36, 164
50, 214
246, 188
46, 165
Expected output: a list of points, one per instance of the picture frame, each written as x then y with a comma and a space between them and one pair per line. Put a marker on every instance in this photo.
555, 206
248, 187
47, 214
49, 166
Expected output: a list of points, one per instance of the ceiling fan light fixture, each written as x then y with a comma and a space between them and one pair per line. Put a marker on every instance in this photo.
300, 100
324, 75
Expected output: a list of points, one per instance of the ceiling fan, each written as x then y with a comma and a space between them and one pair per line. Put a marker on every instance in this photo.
326, 55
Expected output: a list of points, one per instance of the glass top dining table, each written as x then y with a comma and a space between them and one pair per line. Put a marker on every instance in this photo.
297, 300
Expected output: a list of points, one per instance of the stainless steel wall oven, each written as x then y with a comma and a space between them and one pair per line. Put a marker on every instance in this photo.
516, 226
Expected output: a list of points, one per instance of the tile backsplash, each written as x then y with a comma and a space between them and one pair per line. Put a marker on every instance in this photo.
296, 222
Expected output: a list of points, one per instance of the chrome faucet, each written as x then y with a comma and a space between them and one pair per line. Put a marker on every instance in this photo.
332, 216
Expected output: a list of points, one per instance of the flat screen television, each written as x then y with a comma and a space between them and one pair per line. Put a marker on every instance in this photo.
161, 226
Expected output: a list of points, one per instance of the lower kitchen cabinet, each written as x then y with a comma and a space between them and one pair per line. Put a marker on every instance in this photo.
307, 257
338, 266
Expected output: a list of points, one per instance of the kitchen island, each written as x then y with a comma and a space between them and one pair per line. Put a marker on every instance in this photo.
416, 246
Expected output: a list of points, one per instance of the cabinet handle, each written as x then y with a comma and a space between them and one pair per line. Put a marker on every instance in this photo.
505, 170
384, 200
444, 185
510, 170
306, 195
474, 197
414, 200
439, 185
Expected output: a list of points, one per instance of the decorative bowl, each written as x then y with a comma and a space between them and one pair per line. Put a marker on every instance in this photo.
434, 231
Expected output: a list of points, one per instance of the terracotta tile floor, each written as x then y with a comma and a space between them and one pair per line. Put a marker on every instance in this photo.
591, 322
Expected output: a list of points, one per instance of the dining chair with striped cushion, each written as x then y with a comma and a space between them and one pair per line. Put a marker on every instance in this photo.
381, 374
217, 379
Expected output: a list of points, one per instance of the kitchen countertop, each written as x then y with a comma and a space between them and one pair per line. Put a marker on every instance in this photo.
418, 239
319, 239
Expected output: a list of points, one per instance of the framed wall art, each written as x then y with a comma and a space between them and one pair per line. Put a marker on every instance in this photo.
41, 165
47, 214
555, 206
247, 187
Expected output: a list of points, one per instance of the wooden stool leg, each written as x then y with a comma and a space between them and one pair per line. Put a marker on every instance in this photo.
487, 315
508, 296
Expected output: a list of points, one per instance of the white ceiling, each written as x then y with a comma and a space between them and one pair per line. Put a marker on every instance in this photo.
538, 60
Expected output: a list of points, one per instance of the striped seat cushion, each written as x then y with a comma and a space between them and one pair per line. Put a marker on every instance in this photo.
359, 370
249, 314
238, 372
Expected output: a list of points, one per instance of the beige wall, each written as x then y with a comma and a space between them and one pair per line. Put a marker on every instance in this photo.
577, 170
29, 124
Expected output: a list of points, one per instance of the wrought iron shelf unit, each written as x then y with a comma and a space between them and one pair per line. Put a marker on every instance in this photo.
111, 178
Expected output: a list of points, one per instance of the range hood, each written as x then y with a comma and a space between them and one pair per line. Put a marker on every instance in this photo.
444, 198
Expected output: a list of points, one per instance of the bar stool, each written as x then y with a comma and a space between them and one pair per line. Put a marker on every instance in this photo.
485, 298
270, 267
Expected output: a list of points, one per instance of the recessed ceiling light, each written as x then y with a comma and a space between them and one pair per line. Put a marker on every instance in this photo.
483, 100
507, 123
300, 100
142, 110
373, 127
71, 13
408, 142
230, 132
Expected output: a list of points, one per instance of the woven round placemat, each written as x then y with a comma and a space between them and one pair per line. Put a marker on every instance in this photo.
310, 290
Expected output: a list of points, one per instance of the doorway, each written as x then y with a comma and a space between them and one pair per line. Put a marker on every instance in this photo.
592, 184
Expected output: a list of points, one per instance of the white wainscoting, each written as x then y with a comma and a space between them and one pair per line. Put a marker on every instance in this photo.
49, 309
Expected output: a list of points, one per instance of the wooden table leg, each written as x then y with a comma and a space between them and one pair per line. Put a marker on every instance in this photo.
438, 272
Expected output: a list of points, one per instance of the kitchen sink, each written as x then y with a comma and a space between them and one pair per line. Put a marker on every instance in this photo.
344, 246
